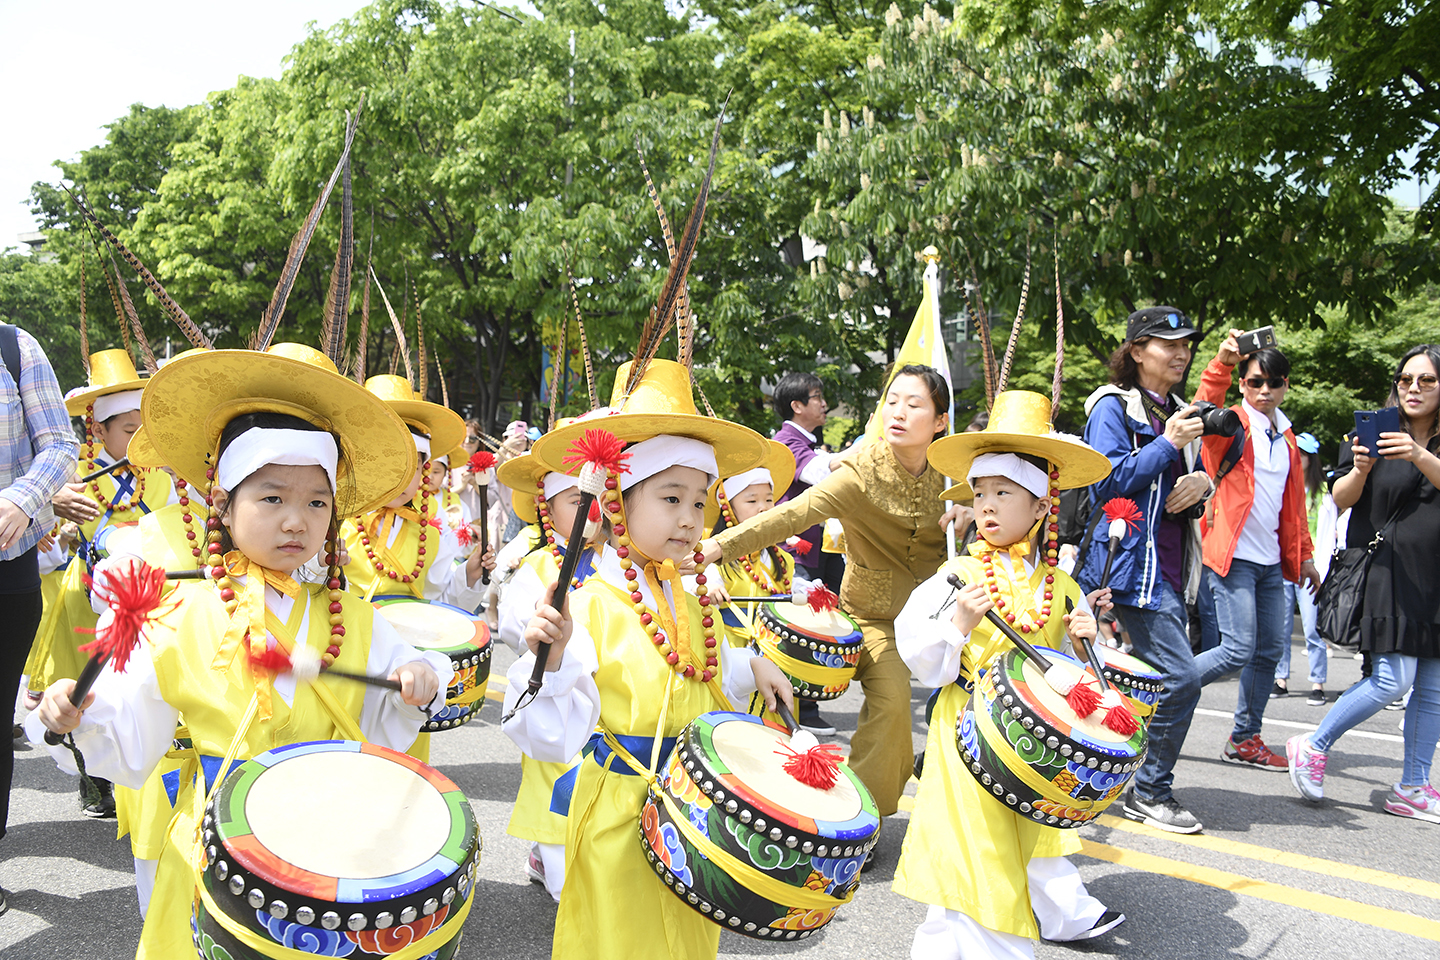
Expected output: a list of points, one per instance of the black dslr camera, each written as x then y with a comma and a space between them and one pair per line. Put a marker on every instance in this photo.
1218, 421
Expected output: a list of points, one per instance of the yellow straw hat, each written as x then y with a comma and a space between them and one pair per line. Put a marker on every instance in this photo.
443, 426
188, 403
521, 474
1020, 423
960, 493
661, 403
111, 371
778, 460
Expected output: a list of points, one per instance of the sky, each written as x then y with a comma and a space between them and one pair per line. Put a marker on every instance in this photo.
67, 71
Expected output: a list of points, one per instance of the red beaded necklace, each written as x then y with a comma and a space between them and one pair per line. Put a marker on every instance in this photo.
671, 652
183, 493
1031, 624
420, 559
750, 561
95, 491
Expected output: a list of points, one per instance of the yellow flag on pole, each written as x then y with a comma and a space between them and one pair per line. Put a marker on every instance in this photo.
924, 344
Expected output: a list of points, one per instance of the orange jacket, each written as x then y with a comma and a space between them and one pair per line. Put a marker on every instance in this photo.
1236, 493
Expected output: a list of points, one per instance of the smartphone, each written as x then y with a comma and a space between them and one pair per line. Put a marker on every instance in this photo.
1369, 424
1253, 340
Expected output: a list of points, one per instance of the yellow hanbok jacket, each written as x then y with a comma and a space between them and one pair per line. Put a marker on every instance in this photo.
965, 850
213, 702
739, 583
614, 906
56, 653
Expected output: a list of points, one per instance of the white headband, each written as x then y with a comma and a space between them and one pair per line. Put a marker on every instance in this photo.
1012, 468
258, 447
422, 445
733, 485
649, 457
557, 483
113, 404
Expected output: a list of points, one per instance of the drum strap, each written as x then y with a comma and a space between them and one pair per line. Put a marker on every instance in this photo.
995, 740
809, 672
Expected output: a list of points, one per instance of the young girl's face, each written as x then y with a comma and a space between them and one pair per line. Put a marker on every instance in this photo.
753, 500
1005, 511
562, 511
665, 514
279, 515
408, 494
114, 434
909, 417
437, 474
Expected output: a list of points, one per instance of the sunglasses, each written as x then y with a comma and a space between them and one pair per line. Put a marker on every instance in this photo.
1426, 381
472, 439
1173, 320
1255, 383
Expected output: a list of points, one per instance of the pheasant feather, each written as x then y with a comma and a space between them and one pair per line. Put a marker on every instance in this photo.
337, 297
1059, 335
84, 330
363, 343
133, 320
421, 363
400, 346
685, 319
1015, 328
270, 319
584, 342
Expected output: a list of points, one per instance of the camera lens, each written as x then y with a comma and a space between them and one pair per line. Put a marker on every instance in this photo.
1217, 421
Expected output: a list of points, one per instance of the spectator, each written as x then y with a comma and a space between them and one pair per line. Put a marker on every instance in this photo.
799, 402
1152, 437
1400, 615
1259, 538
38, 453
1317, 502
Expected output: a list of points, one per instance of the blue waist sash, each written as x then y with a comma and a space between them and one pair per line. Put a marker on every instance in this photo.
211, 766
598, 750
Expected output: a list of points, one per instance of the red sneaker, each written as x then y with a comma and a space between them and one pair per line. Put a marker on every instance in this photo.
1255, 753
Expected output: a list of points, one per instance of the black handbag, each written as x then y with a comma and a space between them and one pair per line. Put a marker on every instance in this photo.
1342, 595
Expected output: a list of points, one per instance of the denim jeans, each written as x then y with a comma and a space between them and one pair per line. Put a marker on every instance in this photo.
1250, 607
1314, 645
1161, 640
1394, 673
1205, 609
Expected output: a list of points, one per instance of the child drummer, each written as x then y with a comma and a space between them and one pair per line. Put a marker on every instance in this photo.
985, 871
283, 471
547, 500
636, 655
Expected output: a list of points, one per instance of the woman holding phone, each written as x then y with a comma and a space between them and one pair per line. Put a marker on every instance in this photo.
1394, 485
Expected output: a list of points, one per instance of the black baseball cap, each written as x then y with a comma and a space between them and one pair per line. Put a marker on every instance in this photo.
1167, 323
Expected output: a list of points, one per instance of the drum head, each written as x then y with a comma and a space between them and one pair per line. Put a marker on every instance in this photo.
834, 625
1053, 705
118, 540
433, 626
748, 751
353, 822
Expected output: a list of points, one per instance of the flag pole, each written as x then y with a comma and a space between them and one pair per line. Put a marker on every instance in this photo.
931, 283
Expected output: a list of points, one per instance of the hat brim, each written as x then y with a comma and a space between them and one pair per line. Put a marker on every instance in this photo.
141, 452
778, 460
961, 493
75, 406
521, 474
1078, 463
189, 401
444, 427
737, 448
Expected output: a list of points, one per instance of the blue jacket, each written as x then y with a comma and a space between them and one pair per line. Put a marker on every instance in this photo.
1140, 463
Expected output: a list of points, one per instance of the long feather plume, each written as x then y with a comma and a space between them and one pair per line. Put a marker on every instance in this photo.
172, 309
685, 319
580, 325
422, 365
1015, 328
1059, 336
147, 355
125, 337
400, 346
558, 364
363, 344
976, 302
444, 390
663, 313
270, 319
84, 329
337, 298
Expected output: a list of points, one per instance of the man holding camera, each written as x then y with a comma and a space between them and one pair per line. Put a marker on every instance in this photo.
1257, 537
1151, 437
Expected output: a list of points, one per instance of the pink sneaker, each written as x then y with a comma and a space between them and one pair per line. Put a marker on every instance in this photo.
1307, 768
1417, 803
535, 868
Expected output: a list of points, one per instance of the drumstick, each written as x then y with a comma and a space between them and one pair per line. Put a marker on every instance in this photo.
1124, 516
1117, 717
601, 453
777, 598
1056, 676
131, 595
117, 465
200, 573
305, 666
800, 740
480, 464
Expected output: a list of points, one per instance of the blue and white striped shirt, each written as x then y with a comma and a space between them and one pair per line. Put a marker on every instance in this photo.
38, 448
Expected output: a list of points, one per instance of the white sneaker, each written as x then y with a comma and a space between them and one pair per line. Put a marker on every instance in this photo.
1417, 803
1307, 768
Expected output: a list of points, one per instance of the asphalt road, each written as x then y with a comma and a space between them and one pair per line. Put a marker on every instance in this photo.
1270, 877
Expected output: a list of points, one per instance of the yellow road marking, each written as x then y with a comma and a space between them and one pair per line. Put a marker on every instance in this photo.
1264, 890
1329, 868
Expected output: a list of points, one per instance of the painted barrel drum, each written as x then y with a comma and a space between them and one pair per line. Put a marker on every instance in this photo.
816, 649
724, 798
114, 540
1028, 748
1133, 677
335, 848
463, 637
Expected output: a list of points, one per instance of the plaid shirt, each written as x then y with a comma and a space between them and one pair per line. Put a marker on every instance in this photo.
38, 449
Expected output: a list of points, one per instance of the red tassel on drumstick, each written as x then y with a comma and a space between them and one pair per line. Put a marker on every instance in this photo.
598, 453
809, 761
1124, 517
132, 591
480, 464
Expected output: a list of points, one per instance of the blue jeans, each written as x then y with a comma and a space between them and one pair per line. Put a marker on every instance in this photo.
1161, 640
1314, 645
1394, 673
1250, 607
1205, 608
